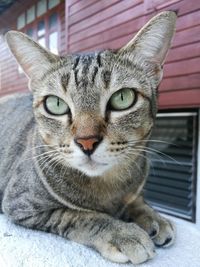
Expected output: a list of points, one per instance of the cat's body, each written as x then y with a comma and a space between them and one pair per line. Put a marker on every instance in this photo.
18, 151
14, 139
80, 191
75, 163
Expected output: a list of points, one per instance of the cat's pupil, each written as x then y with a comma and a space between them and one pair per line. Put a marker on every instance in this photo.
58, 102
122, 97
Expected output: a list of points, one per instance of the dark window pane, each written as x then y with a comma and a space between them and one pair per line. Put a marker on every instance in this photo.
30, 32
41, 28
53, 20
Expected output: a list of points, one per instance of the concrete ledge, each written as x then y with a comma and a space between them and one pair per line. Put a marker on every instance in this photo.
20, 247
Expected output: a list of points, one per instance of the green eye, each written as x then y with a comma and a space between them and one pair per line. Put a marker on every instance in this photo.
55, 105
122, 99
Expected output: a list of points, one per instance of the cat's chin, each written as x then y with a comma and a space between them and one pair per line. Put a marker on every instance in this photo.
92, 168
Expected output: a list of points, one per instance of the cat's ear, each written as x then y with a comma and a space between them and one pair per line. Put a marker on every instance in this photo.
33, 58
154, 39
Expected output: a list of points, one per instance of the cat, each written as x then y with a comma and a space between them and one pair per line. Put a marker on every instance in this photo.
72, 152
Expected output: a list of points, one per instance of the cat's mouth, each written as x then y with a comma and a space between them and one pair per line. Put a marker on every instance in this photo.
93, 163
92, 167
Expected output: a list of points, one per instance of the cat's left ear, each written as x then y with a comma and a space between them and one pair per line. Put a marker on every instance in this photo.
33, 58
153, 41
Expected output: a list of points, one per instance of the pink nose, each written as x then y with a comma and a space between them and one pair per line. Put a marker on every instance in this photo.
88, 144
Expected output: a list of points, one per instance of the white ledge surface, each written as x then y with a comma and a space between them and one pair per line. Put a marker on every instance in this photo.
20, 247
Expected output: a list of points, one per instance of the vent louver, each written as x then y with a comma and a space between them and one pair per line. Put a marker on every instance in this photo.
171, 185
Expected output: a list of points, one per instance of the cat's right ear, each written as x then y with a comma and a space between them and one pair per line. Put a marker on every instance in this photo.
153, 41
33, 58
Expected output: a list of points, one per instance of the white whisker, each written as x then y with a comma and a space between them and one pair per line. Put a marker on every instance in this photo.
53, 161
149, 152
41, 155
42, 146
157, 151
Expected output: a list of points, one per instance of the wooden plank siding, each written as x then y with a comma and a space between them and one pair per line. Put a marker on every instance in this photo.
87, 25
11, 81
103, 24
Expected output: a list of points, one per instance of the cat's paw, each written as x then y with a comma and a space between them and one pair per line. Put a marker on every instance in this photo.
161, 230
127, 243
166, 234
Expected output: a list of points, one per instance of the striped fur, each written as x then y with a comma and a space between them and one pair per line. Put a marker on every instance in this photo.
48, 183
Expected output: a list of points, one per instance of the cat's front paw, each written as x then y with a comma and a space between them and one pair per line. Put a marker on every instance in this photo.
166, 234
161, 230
127, 243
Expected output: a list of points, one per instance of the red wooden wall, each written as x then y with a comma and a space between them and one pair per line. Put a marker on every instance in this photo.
94, 24
11, 80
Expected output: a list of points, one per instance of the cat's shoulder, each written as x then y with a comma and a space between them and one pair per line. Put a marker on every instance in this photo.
15, 98
16, 101
15, 110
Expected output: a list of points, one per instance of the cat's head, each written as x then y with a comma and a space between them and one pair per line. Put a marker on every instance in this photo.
97, 109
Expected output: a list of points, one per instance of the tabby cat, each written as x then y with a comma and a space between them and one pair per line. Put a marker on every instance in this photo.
72, 153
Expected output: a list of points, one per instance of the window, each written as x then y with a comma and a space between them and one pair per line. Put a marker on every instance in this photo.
171, 185
41, 7
41, 33
30, 32
53, 35
21, 21
53, 3
53, 21
30, 14
53, 42
41, 28
41, 22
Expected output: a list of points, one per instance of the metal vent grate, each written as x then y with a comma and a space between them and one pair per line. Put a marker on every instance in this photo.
171, 185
